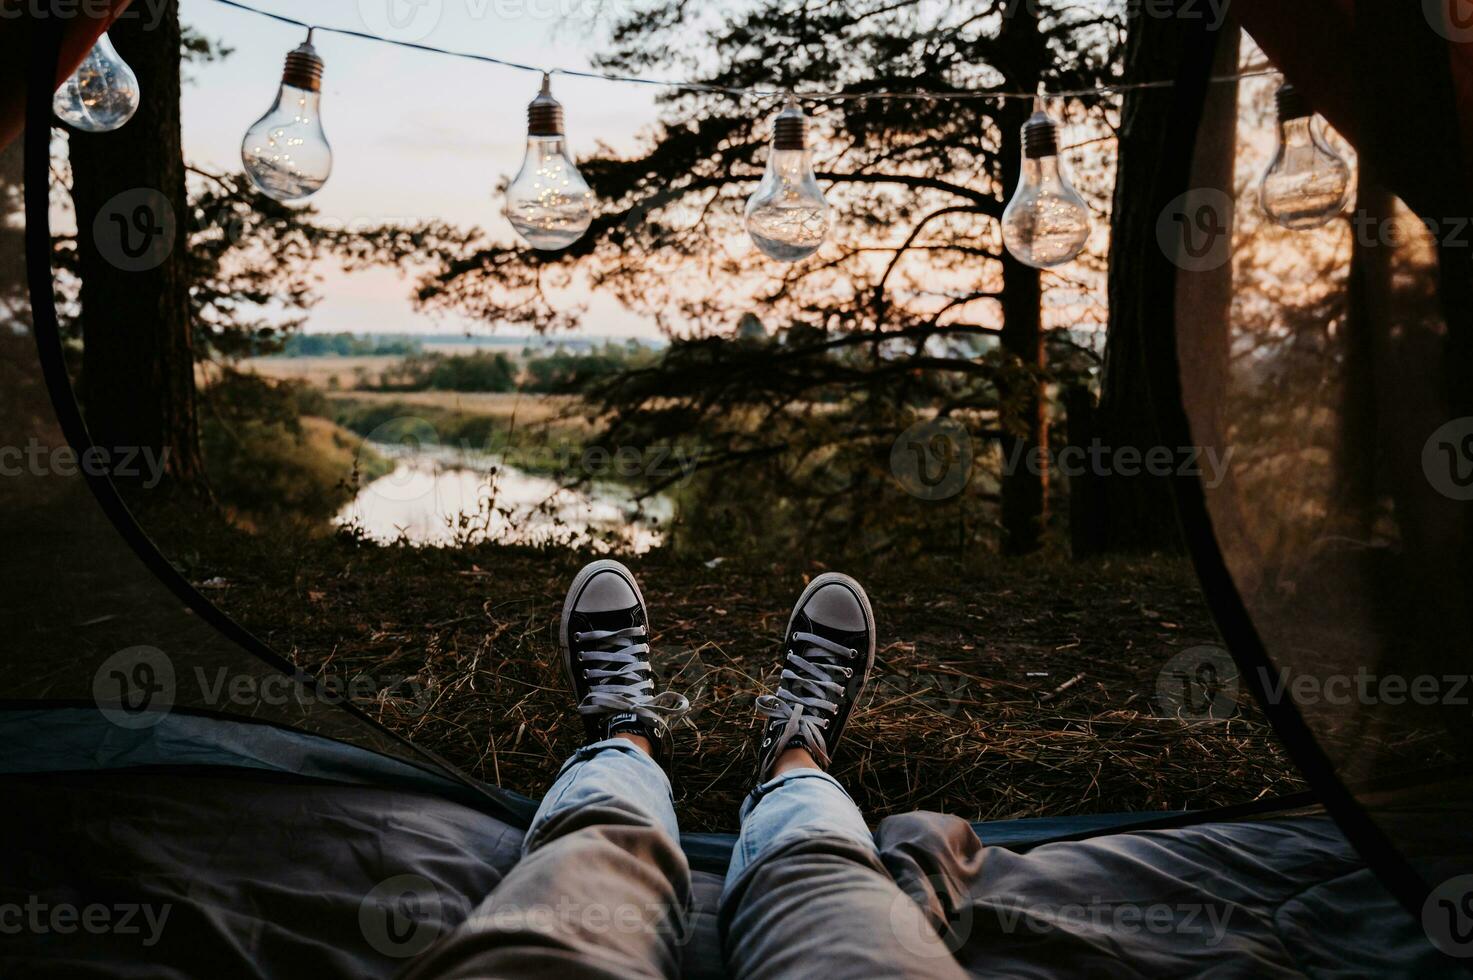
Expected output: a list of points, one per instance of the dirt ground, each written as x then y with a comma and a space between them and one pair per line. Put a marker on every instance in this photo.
1003, 690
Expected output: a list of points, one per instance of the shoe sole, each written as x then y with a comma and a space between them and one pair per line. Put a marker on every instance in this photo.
838, 578
580, 580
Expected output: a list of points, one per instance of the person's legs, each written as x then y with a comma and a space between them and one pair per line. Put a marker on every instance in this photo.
603, 886
806, 892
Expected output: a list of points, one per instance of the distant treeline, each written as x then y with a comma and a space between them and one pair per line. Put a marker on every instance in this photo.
349, 345
346, 344
557, 372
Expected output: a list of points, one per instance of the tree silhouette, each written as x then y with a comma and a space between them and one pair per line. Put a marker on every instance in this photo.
237, 259
912, 311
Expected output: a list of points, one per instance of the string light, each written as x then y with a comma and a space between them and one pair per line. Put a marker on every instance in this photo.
787, 216
1047, 222
548, 202
101, 95
740, 92
1308, 183
285, 152
550, 205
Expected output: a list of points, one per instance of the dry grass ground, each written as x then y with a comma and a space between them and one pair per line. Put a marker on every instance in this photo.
1003, 689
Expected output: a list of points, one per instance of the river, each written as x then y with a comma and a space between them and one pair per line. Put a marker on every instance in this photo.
443, 496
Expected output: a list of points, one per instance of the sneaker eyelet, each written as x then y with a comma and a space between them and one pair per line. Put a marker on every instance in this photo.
766, 742
853, 653
585, 675
577, 637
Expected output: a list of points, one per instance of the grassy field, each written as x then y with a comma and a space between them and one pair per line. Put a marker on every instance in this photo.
337, 376
489, 421
1003, 688
527, 409
320, 372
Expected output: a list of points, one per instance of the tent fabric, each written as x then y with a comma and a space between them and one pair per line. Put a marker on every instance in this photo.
37, 740
1334, 366
264, 875
1344, 53
47, 739
86, 599
269, 871
83, 24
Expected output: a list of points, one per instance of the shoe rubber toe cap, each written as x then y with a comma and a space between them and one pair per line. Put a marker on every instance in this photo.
606, 592
836, 607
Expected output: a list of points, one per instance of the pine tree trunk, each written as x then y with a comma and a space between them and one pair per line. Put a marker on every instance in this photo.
1134, 514
1024, 451
137, 385
1137, 513
1025, 412
1368, 310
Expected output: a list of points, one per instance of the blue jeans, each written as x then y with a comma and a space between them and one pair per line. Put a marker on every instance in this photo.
616, 768
799, 803
605, 840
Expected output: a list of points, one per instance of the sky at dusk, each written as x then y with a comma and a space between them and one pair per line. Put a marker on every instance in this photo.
420, 136
414, 135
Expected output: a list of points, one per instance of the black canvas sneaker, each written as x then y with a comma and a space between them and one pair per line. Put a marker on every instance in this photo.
828, 652
605, 639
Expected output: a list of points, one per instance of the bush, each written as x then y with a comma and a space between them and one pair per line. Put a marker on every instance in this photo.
269, 451
484, 371
479, 372
543, 448
564, 372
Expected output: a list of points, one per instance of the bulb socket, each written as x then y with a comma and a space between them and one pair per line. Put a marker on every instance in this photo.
1040, 137
1292, 104
545, 114
790, 130
303, 68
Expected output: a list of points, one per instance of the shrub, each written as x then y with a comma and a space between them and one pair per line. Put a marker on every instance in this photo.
269, 451
479, 372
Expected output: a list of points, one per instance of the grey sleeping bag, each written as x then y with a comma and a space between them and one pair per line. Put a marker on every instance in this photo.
230, 873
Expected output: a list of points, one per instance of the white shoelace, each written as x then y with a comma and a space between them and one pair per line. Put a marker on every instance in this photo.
816, 686
622, 689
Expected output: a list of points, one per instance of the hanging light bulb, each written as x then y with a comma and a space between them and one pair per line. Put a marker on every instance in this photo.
1308, 183
1047, 222
285, 152
101, 94
787, 215
548, 202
